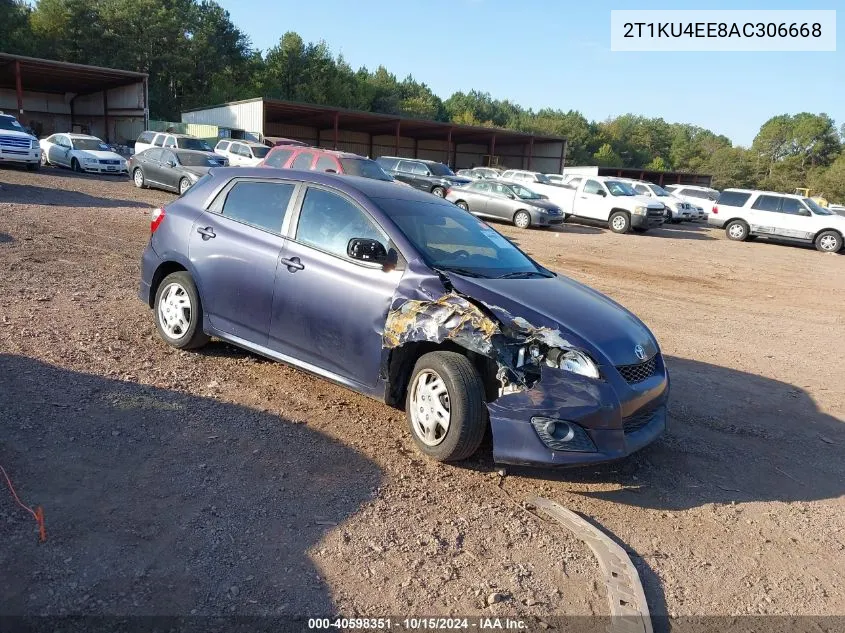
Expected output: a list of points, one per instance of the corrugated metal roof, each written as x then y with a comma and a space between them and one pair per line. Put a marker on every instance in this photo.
47, 75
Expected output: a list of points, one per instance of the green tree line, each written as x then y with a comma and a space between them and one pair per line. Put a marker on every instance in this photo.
196, 56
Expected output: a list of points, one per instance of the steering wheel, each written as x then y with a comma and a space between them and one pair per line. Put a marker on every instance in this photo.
462, 254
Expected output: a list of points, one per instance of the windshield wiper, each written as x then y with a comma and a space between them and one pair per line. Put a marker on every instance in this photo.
461, 271
524, 274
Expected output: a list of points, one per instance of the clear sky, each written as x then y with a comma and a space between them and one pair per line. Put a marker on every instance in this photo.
551, 53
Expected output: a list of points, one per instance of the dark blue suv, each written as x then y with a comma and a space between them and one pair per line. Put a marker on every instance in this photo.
411, 300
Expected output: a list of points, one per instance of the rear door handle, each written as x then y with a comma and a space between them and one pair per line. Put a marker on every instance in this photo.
293, 264
207, 232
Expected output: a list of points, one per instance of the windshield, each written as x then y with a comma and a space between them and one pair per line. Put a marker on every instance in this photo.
525, 194
363, 167
194, 143
259, 152
451, 239
197, 160
543, 179
8, 123
439, 169
617, 188
659, 191
90, 144
816, 208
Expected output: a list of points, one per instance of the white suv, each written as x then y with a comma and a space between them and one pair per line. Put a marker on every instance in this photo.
242, 153
700, 197
150, 139
17, 145
747, 214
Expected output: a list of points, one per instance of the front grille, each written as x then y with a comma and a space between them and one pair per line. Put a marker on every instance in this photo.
656, 212
15, 141
641, 420
19, 152
639, 372
110, 162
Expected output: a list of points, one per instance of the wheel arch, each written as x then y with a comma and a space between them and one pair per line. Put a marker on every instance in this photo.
402, 359
619, 210
839, 232
166, 268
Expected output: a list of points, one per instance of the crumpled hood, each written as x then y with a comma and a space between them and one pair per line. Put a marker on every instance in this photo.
586, 318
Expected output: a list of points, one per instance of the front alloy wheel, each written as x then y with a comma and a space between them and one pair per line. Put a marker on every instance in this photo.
829, 242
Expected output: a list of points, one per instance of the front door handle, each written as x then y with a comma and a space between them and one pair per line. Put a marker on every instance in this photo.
207, 232
293, 264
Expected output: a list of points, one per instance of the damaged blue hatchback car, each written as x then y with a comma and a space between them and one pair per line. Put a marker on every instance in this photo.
406, 298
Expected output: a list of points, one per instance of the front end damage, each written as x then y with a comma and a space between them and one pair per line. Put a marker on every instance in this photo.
539, 413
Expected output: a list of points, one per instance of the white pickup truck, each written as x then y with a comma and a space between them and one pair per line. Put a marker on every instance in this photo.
17, 145
607, 199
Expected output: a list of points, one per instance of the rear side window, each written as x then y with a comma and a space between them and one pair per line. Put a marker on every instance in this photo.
328, 221
303, 160
259, 204
733, 198
222, 146
146, 137
767, 203
151, 154
325, 163
278, 157
387, 163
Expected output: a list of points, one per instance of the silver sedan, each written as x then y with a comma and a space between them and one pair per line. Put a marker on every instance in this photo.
506, 201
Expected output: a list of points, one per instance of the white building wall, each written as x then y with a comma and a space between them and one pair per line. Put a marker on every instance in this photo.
247, 116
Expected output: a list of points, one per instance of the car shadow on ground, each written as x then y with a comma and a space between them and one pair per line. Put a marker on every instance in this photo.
733, 436
580, 229
682, 232
5, 238
162, 503
32, 194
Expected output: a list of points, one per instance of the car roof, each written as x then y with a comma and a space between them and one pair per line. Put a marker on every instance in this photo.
176, 134
80, 136
180, 150
331, 152
419, 160
763, 192
369, 187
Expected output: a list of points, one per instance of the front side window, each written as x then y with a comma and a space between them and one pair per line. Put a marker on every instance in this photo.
767, 203
450, 239
259, 204
328, 221
303, 160
278, 158
592, 186
159, 142
793, 207
642, 189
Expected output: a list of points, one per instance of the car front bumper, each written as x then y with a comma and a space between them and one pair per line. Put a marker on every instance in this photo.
647, 221
544, 219
27, 157
619, 418
106, 169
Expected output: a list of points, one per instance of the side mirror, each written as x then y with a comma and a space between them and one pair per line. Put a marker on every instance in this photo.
601, 192
171, 163
331, 171
511, 196
366, 250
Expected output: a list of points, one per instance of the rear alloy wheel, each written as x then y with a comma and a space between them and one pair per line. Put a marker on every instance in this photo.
619, 222
737, 230
521, 219
184, 185
463, 205
440, 192
178, 312
445, 406
829, 242
138, 178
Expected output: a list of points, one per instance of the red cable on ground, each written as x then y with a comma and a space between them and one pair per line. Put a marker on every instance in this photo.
37, 514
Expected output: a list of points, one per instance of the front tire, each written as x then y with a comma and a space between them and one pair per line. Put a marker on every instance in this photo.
44, 161
522, 219
138, 178
445, 406
440, 192
829, 242
75, 166
619, 222
178, 312
737, 230
463, 205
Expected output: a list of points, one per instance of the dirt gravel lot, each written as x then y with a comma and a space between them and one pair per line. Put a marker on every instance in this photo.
218, 482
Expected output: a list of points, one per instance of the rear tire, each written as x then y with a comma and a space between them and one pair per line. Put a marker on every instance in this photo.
138, 178
464, 399
737, 230
178, 312
619, 222
829, 242
463, 205
184, 185
522, 219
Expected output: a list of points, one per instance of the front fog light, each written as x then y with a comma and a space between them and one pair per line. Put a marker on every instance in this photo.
560, 435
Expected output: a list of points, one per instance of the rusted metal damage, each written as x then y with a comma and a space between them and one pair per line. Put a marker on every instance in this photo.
517, 347
628, 607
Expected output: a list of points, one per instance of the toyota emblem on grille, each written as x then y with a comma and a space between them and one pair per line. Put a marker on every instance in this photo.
640, 352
